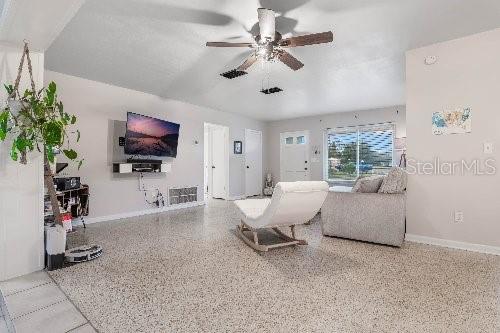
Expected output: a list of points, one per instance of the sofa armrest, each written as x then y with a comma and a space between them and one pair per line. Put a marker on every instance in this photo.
372, 217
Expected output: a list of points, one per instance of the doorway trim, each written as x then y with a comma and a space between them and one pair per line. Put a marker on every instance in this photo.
308, 152
207, 178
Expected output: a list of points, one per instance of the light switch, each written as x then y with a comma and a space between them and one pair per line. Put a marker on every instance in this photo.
488, 147
459, 217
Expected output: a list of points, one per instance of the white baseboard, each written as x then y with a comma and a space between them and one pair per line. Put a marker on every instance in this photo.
453, 244
142, 212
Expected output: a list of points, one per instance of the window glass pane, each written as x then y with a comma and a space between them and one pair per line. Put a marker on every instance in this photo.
301, 140
359, 151
289, 140
342, 157
375, 152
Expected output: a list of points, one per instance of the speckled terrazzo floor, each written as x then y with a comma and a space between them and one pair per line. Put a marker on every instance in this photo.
187, 271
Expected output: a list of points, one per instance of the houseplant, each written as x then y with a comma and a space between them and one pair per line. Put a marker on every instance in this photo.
36, 120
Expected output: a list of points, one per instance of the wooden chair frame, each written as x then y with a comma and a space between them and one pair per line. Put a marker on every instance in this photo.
288, 241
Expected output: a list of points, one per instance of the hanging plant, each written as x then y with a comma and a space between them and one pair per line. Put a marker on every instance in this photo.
37, 120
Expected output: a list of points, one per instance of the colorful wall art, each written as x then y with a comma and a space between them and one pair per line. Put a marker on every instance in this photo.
457, 121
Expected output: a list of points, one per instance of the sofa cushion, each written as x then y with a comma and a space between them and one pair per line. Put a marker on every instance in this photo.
394, 182
368, 184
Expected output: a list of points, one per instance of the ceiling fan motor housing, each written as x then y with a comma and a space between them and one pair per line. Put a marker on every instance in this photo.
266, 50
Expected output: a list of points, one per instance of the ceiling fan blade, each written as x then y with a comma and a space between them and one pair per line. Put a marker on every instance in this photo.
226, 44
248, 62
319, 38
290, 60
267, 23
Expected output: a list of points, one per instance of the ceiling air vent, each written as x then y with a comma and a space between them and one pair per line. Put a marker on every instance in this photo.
233, 74
271, 90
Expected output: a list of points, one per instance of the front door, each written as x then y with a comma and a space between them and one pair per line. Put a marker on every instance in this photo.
294, 159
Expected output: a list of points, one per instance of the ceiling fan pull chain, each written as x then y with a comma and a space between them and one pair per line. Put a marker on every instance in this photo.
264, 75
268, 75
268, 78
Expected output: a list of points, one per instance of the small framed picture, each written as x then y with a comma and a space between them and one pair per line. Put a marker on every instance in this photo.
238, 147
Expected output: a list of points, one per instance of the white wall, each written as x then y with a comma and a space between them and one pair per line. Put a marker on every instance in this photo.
97, 105
317, 126
21, 187
467, 74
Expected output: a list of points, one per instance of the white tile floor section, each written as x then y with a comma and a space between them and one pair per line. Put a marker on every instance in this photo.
34, 303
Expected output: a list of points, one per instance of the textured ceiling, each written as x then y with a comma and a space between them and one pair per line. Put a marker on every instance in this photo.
157, 46
39, 22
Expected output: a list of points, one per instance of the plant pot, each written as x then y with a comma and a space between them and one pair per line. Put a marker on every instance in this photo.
15, 106
55, 246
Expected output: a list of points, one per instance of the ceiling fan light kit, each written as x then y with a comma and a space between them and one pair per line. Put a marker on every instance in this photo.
270, 46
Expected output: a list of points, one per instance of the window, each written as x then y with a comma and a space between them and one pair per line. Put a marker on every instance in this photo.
289, 140
359, 151
301, 140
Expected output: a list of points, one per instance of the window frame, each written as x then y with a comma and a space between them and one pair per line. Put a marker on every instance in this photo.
355, 129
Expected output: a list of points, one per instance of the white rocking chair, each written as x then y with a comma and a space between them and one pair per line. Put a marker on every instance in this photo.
292, 203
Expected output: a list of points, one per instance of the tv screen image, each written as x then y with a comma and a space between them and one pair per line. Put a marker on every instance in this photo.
150, 136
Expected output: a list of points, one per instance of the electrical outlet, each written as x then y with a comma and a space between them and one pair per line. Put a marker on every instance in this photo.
488, 148
459, 217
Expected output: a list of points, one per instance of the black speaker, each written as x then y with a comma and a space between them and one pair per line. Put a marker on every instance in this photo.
67, 183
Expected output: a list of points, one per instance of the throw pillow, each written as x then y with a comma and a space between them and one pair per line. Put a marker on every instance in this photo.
394, 182
368, 184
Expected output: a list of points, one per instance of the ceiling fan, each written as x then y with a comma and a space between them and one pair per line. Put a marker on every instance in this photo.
269, 44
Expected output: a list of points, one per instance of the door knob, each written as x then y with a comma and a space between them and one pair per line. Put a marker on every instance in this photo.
213, 167
305, 168
248, 167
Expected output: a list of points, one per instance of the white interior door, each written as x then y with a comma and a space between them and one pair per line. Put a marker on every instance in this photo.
253, 162
207, 162
218, 147
294, 159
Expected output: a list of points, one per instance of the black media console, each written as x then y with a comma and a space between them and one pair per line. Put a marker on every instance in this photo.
142, 166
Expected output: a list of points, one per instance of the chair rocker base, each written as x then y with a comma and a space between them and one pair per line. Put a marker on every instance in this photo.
288, 241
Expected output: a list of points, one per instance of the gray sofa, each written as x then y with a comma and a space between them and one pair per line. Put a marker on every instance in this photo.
371, 217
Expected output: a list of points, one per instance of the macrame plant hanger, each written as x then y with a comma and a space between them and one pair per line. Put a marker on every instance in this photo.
48, 176
26, 54
12, 96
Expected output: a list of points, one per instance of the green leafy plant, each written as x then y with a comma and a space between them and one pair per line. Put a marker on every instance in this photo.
36, 120
41, 124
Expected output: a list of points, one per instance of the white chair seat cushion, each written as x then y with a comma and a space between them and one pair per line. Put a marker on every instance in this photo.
252, 209
292, 203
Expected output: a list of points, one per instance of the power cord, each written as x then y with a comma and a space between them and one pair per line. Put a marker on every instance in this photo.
159, 201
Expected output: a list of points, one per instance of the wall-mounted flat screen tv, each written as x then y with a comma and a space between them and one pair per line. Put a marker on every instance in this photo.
147, 136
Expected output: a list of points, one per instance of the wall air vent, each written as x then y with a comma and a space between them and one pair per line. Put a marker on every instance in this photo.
233, 74
271, 90
178, 196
